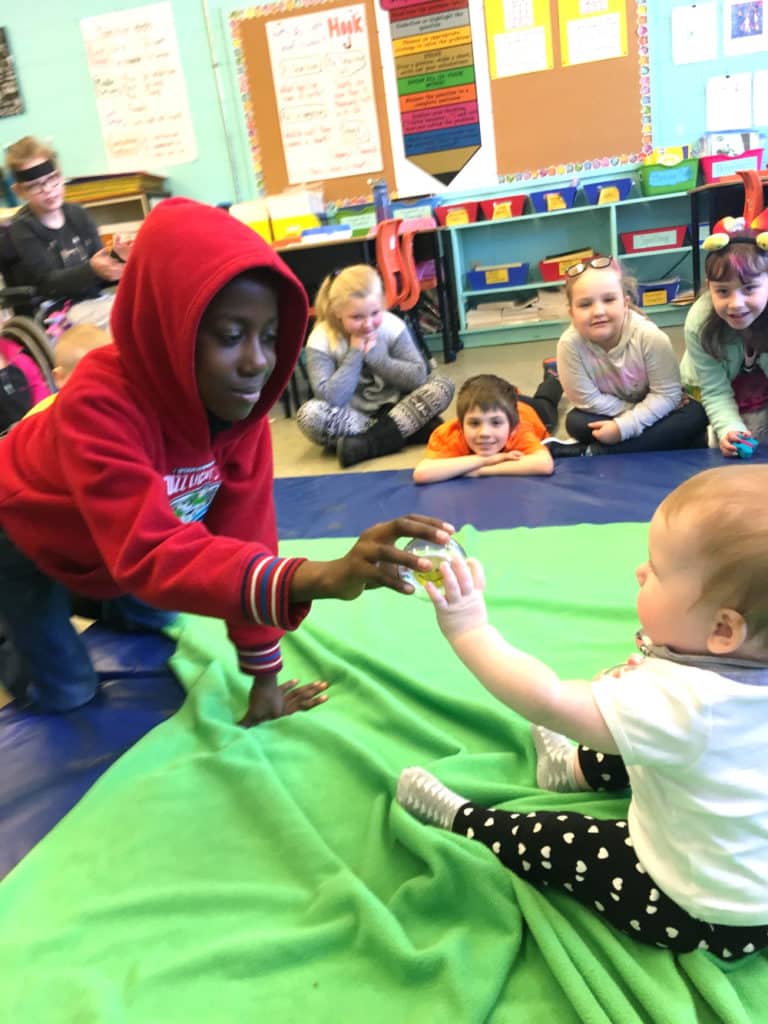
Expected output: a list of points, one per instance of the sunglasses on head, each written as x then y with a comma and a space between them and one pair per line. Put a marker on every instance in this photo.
597, 262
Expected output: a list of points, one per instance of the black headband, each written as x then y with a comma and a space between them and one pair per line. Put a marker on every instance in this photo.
41, 170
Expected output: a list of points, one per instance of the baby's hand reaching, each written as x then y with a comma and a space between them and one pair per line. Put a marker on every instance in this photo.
460, 606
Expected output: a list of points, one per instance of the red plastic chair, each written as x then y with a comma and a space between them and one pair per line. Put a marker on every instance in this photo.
397, 268
389, 262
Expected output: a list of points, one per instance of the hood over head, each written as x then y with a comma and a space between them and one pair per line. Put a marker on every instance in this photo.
184, 254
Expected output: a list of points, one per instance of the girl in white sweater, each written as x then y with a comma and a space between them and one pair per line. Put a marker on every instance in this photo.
619, 370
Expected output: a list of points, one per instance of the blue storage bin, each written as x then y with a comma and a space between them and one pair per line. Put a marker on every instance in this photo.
611, 190
657, 293
505, 275
559, 197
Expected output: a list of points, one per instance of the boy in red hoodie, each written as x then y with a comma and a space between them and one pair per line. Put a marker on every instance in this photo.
151, 475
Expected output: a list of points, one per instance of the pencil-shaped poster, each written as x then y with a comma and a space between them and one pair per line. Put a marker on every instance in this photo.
435, 70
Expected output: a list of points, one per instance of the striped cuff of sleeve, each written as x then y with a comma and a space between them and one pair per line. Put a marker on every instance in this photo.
266, 590
256, 661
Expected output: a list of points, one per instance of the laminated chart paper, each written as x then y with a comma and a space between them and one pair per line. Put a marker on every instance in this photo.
592, 30
141, 94
436, 84
321, 70
519, 36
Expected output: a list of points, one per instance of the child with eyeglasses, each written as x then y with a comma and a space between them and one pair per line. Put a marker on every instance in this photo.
619, 370
57, 245
726, 339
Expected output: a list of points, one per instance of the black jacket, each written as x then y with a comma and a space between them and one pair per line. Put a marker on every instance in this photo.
55, 260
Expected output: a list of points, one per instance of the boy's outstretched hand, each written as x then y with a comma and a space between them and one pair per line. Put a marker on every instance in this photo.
269, 699
373, 561
460, 606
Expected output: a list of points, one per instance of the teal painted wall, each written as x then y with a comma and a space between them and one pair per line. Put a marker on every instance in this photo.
59, 100
678, 92
47, 45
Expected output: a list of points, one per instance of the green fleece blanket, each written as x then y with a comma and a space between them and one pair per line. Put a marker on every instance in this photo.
221, 875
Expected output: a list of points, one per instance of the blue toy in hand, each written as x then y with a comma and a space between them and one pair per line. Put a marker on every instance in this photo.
745, 446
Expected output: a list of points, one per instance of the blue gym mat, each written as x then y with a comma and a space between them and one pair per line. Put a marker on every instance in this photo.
47, 762
605, 489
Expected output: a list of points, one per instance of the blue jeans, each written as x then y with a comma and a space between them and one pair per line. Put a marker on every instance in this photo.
41, 655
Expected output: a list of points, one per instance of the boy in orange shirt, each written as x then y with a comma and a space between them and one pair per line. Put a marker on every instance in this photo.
492, 435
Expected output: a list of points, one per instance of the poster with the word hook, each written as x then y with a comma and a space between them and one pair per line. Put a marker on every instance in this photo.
324, 89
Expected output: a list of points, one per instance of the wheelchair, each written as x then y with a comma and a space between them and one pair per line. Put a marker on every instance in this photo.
24, 343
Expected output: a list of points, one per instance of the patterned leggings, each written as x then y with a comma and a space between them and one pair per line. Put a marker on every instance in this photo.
325, 424
594, 861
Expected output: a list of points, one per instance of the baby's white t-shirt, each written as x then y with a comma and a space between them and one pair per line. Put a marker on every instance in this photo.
694, 743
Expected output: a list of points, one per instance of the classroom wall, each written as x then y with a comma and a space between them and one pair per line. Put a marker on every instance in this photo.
47, 45
678, 92
59, 100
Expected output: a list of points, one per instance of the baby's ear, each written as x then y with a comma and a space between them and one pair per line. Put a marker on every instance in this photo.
729, 632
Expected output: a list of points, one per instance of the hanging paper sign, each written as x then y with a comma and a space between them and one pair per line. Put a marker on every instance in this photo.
10, 98
325, 98
435, 71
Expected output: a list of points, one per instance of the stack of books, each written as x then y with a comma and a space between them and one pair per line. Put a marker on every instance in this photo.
544, 305
112, 186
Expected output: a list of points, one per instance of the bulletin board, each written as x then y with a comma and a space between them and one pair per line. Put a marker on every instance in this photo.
544, 122
252, 54
569, 115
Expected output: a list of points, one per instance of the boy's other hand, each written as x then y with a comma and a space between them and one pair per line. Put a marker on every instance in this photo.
269, 699
121, 246
105, 267
460, 606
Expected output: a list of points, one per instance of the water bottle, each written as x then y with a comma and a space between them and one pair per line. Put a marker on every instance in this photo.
381, 203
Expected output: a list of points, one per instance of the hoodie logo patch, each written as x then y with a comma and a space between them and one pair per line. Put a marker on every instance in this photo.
191, 491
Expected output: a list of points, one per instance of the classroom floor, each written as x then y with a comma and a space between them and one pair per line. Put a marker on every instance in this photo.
520, 363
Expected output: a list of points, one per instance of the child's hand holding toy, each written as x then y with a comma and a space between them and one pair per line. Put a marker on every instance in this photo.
738, 442
460, 605
745, 445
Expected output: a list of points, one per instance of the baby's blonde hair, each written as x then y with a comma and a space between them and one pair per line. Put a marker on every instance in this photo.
358, 281
726, 526
73, 345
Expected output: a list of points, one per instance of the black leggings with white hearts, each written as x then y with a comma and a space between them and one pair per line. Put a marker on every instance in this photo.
594, 861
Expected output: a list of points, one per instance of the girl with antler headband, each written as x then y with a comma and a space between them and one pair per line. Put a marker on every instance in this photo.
726, 330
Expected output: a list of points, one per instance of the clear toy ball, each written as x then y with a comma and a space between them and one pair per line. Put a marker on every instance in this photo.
437, 554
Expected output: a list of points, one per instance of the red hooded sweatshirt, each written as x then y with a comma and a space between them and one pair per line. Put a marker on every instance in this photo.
121, 486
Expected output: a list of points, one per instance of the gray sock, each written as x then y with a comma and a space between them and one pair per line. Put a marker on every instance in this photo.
556, 761
427, 799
